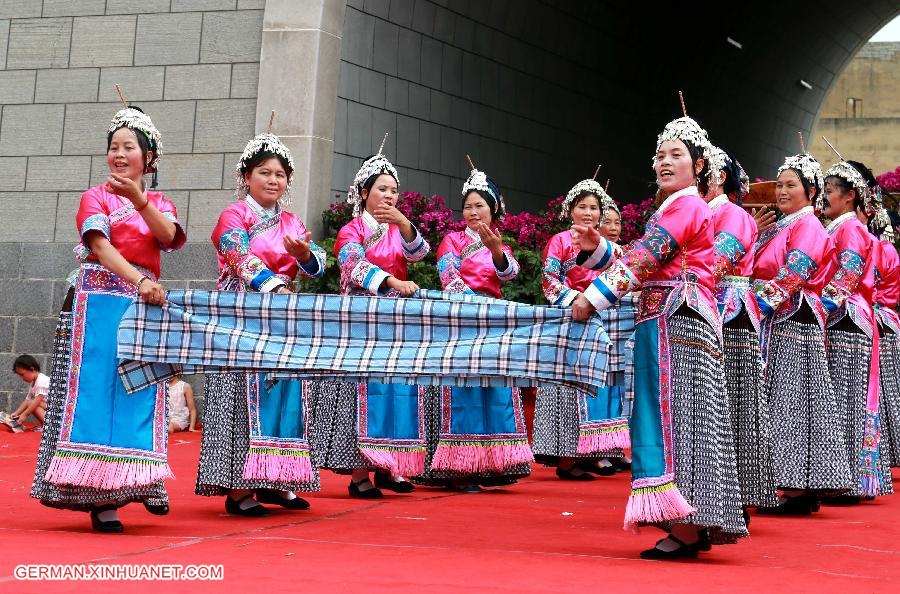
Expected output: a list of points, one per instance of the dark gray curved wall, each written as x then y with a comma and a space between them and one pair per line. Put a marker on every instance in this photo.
539, 91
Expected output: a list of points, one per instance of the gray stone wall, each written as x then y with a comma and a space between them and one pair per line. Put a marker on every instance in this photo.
450, 78
193, 65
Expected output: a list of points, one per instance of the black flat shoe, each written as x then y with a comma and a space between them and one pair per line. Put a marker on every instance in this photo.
801, 505
746, 517
383, 481
841, 500
684, 551
157, 509
568, 475
234, 508
99, 525
373, 493
275, 498
598, 470
620, 465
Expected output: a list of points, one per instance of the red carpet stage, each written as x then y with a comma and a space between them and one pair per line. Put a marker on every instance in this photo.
542, 535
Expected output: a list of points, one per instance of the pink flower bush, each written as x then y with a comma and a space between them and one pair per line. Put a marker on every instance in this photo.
890, 180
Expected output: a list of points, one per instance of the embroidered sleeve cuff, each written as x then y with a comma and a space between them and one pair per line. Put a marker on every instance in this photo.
416, 249
267, 282
374, 281
511, 270
96, 222
567, 297
600, 258
316, 265
600, 296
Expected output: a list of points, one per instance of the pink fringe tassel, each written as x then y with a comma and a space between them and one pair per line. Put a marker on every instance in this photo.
105, 474
474, 459
278, 468
590, 443
651, 507
398, 463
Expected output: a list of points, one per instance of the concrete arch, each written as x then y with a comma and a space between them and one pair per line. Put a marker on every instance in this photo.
539, 91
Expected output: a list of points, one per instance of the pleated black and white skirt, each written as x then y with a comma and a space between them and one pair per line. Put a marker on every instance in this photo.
226, 440
808, 429
749, 413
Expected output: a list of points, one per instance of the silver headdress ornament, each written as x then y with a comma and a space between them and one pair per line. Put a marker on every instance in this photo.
811, 171
478, 181
851, 175
587, 185
374, 165
882, 220
128, 117
684, 129
717, 160
259, 143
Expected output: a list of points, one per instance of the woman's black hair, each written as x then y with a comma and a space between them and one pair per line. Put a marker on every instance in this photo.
263, 156
732, 171
143, 142
702, 178
26, 362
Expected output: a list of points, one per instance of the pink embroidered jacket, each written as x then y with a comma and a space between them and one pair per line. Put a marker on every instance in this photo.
368, 252
465, 265
562, 278
250, 248
735, 235
124, 227
794, 260
851, 289
672, 263
887, 284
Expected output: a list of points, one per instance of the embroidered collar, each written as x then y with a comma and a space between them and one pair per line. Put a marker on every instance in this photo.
718, 201
767, 235
833, 226
261, 211
370, 221
672, 198
473, 234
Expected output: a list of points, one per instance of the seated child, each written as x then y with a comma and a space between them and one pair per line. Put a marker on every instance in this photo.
182, 410
29, 370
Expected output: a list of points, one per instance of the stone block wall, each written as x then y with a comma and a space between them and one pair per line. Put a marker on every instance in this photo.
193, 65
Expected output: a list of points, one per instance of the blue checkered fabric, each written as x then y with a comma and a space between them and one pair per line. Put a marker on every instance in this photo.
433, 338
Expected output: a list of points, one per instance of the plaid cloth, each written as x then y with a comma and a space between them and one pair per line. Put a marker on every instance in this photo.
434, 338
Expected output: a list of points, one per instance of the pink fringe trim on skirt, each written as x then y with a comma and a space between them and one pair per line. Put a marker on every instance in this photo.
284, 468
595, 441
652, 505
474, 459
105, 473
398, 462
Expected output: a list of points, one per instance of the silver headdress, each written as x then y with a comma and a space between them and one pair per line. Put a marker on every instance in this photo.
811, 171
851, 175
587, 185
374, 165
259, 143
685, 129
718, 160
137, 120
478, 180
